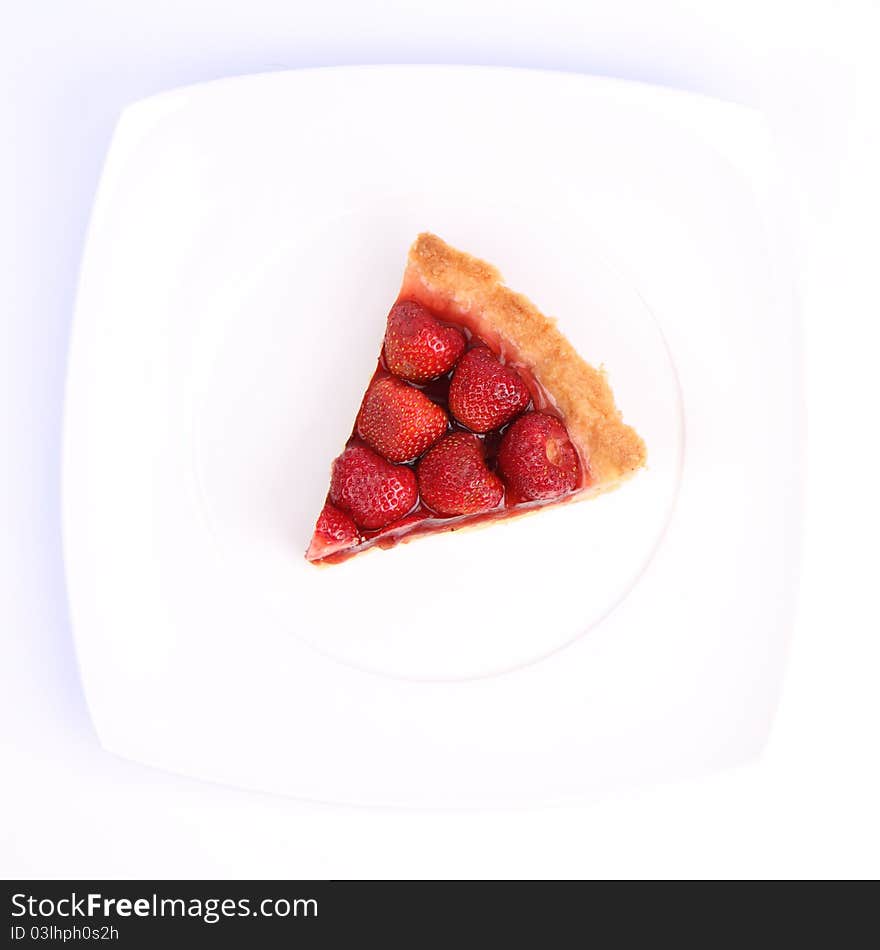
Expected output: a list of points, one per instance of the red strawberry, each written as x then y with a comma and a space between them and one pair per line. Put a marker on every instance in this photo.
398, 421
418, 347
454, 479
484, 394
334, 532
374, 492
536, 458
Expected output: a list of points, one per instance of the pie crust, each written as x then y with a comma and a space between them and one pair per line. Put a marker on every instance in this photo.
470, 291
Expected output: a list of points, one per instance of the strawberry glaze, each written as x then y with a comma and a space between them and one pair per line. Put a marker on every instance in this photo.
422, 520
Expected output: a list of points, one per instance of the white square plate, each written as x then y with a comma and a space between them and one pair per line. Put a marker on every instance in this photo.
246, 243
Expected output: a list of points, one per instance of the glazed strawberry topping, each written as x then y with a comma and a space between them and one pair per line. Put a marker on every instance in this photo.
418, 347
454, 478
484, 393
372, 491
403, 467
536, 458
334, 532
399, 421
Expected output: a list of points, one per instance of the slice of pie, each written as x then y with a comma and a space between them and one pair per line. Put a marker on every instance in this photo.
479, 409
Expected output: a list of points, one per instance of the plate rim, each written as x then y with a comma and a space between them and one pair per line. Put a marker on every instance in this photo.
138, 111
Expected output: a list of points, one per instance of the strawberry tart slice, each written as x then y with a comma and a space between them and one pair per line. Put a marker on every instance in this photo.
479, 410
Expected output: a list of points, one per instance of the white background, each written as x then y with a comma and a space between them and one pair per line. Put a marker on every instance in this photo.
809, 807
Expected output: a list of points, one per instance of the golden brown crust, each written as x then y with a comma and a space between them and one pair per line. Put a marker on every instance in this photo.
464, 286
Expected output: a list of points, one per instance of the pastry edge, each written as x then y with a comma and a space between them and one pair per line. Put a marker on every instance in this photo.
613, 450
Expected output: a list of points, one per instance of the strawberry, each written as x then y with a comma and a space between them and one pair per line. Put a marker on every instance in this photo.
484, 393
334, 532
454, 479
372, 491
398, 421
536, 458
418, 347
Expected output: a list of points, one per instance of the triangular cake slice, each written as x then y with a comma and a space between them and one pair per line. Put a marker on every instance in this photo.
479, 409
